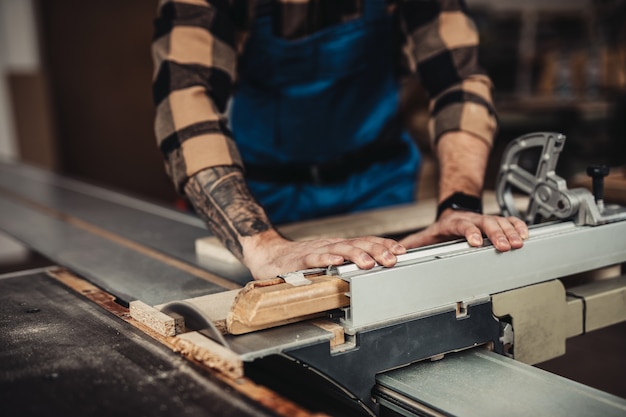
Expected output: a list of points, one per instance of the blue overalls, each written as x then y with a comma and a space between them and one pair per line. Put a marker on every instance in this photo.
307, 110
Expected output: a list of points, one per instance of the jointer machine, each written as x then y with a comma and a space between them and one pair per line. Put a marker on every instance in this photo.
451, 330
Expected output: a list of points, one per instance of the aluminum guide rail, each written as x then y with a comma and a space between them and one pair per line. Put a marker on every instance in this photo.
443, 250
455, 273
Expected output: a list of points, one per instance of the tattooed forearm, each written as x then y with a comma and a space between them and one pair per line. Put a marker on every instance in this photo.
221, 198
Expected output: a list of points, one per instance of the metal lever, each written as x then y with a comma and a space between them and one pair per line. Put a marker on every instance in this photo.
548, 193
597, 173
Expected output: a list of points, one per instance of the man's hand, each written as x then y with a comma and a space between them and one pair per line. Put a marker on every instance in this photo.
268, 254
222, 199
505, 233
462, 163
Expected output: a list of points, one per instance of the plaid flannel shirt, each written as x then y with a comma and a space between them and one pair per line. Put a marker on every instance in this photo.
197, 42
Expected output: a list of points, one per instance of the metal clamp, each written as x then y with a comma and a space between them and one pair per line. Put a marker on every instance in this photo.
549, 197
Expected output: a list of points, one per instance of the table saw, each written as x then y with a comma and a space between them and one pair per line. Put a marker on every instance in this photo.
450, 330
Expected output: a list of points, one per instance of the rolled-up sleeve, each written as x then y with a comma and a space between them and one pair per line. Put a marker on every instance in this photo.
194, 69
442, 49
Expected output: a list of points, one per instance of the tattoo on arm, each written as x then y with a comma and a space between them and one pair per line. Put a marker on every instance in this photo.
221, 198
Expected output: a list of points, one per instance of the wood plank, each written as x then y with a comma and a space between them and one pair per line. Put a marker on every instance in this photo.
209, 353
260, 305
270, 303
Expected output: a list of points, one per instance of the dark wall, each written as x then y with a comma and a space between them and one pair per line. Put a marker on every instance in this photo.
98, 62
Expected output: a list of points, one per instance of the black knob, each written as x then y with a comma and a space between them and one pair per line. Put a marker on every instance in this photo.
597, 173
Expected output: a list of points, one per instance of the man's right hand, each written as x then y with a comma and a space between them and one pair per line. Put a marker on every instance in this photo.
268, 254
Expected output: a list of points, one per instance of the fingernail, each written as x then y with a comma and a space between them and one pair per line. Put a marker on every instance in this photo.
389, 256
334, 259
504, 243
398, 249
474, 240
367, 259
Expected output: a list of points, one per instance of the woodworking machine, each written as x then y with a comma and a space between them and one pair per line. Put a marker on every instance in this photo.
445, 298
451, 330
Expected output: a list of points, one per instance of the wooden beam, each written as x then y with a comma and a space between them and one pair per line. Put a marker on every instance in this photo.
269, 303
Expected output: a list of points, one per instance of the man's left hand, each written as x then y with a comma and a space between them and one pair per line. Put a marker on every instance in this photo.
505, 233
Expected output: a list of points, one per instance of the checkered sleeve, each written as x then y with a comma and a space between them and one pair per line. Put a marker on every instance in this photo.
442, 48
194, 56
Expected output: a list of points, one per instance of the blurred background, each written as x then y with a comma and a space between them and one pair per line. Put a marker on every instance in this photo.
75, 86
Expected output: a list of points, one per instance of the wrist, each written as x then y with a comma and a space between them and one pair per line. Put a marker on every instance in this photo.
259, 249
460, 202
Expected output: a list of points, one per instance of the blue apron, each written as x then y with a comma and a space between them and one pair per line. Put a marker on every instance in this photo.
306, 101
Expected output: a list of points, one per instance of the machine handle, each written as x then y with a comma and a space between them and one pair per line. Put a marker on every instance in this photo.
548, 196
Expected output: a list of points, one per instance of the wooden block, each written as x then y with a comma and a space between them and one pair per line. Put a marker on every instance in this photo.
154, 319
209, 353
270, 303
211, 249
